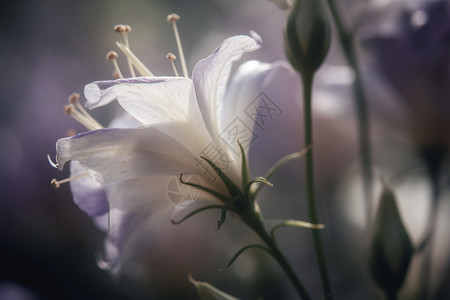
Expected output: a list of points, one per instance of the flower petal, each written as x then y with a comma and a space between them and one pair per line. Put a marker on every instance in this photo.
139, 209
118, 154
99, 93
88, 194
246, 102
168, 103
211, 75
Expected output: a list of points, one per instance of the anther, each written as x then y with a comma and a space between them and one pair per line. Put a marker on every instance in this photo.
115, 75
173, 18
71, 132
112, 55
170, 57
74, 97
57, 183
123, 29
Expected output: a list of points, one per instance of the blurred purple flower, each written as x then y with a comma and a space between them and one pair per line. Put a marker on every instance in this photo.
415, 61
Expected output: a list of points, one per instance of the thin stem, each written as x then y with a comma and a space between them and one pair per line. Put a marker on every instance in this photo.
428, 244
390, 295
258, 227
307, 78
346, 39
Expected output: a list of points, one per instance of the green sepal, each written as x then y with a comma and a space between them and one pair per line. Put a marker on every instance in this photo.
281, 163
208, 190
193, 213
245, 171
232, 188
255, 180
242, 250
223, 213
295, 223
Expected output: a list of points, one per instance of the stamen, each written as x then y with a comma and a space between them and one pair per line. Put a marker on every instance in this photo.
135, 61
71, 132
173, 18
112, 55
74, 98
170, 57
90, 124
57, 183
123, 29
115, 75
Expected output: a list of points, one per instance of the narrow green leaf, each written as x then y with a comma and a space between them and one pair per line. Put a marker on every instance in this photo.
208, 190
281, 163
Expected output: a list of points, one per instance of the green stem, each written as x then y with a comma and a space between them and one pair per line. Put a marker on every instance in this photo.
307, 78
346, 39
428, 244
258, 227
391, 295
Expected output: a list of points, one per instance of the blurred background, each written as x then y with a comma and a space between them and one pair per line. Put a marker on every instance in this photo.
51, 48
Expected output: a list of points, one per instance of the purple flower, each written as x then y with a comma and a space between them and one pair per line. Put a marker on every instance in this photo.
415, 61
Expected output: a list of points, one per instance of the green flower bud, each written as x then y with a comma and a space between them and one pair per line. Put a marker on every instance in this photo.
391, 248
307, 35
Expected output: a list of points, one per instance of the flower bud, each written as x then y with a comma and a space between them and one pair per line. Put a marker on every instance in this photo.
391, 248
307, 35
208, 292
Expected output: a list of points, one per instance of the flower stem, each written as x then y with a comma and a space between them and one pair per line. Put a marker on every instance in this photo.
258, 227
427, 244
346, 39
390, 295
307, 78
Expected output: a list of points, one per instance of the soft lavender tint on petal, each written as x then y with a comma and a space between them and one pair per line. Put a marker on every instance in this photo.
88, 194
211, 75
119, 154
139, 209
99, 93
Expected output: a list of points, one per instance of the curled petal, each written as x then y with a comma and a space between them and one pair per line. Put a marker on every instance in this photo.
99, 93
167, 103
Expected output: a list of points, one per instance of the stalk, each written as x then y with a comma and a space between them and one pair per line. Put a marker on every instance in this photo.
307, 79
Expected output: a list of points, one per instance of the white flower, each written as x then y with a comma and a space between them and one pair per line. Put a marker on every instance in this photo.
181, 120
